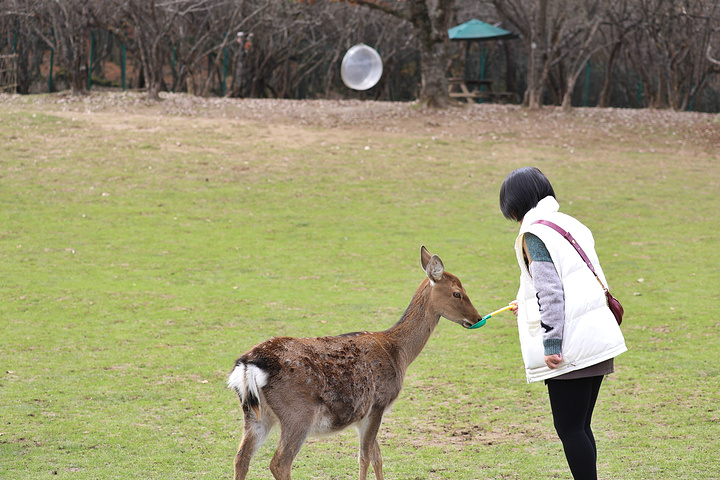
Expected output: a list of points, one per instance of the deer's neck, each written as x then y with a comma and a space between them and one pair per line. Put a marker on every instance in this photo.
412, 331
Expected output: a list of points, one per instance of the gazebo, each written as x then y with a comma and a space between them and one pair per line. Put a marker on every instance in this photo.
473, 89
476, 30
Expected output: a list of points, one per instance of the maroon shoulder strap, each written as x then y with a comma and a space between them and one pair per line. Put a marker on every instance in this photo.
572, 241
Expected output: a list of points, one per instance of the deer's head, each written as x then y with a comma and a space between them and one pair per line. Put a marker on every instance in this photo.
447, 295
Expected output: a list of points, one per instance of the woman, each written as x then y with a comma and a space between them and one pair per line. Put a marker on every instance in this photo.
568, 335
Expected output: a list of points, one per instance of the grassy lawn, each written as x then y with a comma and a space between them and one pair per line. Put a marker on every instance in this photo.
145, 246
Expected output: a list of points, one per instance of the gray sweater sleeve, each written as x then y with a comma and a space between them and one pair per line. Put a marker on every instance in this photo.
550, 294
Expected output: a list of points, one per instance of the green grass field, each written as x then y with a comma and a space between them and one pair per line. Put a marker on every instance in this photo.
146, 246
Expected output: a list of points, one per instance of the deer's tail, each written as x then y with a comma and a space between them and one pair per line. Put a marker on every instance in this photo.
247, 379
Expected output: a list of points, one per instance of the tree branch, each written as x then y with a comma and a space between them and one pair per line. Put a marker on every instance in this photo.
383, 8
709, 57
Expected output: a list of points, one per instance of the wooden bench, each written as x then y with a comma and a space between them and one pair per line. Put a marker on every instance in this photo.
472, 90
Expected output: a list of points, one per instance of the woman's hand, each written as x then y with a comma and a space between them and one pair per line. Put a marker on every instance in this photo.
514, 308
553, 361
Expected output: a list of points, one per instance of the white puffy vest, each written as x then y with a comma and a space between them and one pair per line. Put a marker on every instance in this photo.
591, 335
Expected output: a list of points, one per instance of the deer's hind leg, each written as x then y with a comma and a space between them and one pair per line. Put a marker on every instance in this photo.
255, 432
292, 438
369, 448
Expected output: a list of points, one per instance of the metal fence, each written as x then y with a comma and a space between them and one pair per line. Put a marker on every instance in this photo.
8, 73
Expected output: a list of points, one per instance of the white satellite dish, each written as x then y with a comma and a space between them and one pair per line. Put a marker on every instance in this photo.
361, 67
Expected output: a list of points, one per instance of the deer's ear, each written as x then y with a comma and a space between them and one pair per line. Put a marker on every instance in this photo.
424, 257
435, 269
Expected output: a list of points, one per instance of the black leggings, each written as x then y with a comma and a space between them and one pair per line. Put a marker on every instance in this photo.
572, 403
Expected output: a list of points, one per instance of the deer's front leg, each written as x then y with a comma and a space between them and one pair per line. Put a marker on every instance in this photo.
369, 448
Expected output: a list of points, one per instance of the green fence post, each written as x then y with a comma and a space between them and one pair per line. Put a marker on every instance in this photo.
123, 67
482, 64
92, 47
52, 61
587, 84
224, 71
172, 63
691, 105
482, 71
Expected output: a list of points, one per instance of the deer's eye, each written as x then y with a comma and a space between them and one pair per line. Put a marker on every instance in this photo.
457, 295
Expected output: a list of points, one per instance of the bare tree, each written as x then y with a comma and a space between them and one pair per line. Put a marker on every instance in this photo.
530, 18
63, 25
16, 19
430, 21
221, 21
289, 46
580, 43
150, 22
190, 36
668, 49
619, 23
244, 43
702, 19
297, 47
559, 35
708, 53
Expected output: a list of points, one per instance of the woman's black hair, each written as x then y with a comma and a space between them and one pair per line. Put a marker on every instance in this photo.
522, 190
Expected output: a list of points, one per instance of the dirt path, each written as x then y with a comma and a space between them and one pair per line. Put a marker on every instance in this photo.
618, 128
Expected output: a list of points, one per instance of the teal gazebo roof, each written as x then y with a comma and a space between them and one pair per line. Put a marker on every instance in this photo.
477, 30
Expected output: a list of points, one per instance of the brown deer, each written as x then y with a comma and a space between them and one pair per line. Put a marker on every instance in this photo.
319, 386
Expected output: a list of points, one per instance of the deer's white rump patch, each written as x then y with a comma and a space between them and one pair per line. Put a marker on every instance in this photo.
247, 378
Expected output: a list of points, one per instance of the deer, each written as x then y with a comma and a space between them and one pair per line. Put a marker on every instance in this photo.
320, 386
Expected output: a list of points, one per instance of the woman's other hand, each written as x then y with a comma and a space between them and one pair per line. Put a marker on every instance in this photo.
553, 361
514, 308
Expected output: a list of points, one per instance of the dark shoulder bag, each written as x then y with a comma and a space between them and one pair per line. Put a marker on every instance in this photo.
612, 302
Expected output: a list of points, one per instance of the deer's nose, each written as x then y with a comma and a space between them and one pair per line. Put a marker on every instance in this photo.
477, 324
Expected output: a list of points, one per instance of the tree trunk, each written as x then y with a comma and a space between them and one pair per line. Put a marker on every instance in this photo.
567, 97
145, 51
566, 105
434, 90
660, 100
604, 100
71, 35
537, 71
431, 26
432, 30
236, 87
79, 71
510, 68
154, 79
23, 79
580, 63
